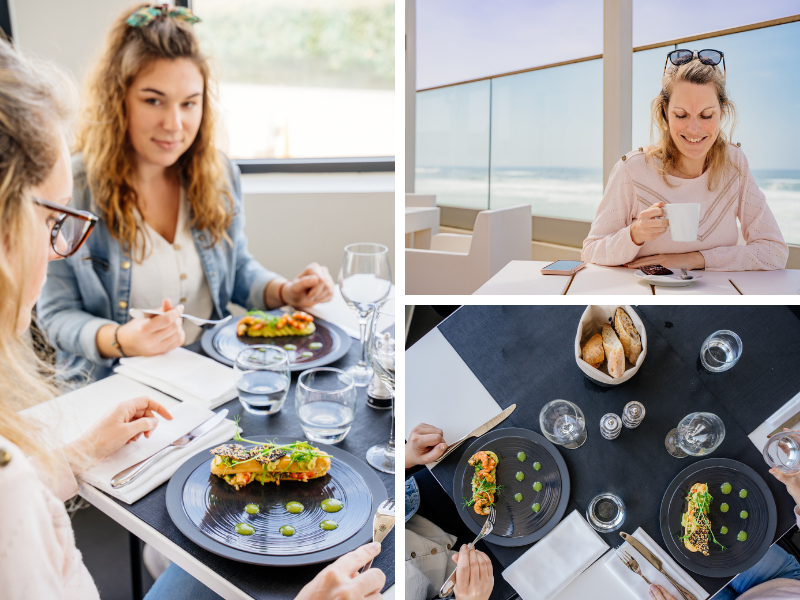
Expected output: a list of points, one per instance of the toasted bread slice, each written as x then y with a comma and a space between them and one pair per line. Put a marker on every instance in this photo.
626, 330
592, 351
615, 353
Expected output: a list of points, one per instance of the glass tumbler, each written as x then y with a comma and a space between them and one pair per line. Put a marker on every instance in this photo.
782, 452
262, 378
325, 402
720, 351
697, 434
562, 423
606, 512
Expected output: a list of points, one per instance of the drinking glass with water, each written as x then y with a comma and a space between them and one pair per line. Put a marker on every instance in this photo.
262, 378
606, 512
720, 351
325, 401
782, 452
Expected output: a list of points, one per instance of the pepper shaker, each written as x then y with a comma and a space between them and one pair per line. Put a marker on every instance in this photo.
610, 426
633, 414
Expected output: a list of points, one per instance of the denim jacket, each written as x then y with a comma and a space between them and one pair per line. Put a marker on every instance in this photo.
91, 288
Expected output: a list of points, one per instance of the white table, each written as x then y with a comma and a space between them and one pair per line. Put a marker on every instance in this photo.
337, 311
595, 279
525, 277
711, 283
767, 282
422, 223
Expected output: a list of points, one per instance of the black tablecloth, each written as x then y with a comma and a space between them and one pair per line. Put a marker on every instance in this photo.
369, 428
525, 355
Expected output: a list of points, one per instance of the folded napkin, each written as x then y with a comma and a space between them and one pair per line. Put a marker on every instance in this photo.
184, 375
185, 417
636, 585
555, 560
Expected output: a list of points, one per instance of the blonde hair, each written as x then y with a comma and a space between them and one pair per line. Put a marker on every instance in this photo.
35, 103
664, 148
103, 131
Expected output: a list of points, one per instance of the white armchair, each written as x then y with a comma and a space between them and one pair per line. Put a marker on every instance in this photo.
460, 264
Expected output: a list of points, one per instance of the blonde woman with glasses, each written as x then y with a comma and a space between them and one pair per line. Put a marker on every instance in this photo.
692, 161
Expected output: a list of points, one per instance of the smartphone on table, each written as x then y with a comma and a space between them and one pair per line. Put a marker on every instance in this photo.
563, 267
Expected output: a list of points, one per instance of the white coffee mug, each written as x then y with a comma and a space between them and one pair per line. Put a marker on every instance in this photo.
684, 219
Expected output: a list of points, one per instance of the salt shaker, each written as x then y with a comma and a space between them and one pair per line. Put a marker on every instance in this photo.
610, 426
633, 414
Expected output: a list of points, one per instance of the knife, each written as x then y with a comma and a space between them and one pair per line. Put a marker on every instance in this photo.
490, 424
656, 562
123, 478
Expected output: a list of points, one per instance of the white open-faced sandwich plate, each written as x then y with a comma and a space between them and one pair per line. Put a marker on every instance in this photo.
592, 322
674, 280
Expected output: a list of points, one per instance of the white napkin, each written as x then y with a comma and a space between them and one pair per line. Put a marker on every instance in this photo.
185, 417
555, 560
636, 585
760, 435
184, 375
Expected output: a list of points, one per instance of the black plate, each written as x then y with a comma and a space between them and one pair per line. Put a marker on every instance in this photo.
760, 524
223, 345
516, 524
205, 509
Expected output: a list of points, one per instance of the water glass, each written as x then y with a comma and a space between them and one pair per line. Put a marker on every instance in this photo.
782, 452
610, 426
562, 423
262, 378
633, 414
606, 512
697, 434
325, 401
720, 351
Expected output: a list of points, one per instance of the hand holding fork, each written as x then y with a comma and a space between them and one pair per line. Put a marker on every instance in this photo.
450, 584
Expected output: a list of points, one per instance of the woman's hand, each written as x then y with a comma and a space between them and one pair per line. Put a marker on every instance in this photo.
155, 335
687, 260
474, 579
649, 225
124, 423
341, 580
659, 593
313, 286
425, 444
792, 482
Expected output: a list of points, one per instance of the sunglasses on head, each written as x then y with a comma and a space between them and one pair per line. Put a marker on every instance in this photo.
707, 57
71, 229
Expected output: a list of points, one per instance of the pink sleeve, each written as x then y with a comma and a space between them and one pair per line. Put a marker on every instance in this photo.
765, 249
609, 241
60, 480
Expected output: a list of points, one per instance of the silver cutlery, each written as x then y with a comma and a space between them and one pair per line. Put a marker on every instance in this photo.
656, 562
684, 274
490, 424
382, 524
631, 563
124, 477
448, 585
139, 313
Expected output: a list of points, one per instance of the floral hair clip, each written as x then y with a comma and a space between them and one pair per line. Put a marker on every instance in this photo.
144, 16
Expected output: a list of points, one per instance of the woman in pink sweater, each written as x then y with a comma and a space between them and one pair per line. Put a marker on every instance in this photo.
691, 162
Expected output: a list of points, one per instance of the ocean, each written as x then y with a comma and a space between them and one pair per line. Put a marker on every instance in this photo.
576, 193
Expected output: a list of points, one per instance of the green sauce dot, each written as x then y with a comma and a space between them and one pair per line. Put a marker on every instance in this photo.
518, 497
306, 354
537, 466
521, 456
742, 536
537, 487
536, 507
251, 509
289, 347
244, 529
723, 530
743, 494
724, 507
287, 530
328, 525
294, 507
520, 475
331, 505
726, 488
316, 346
743, 514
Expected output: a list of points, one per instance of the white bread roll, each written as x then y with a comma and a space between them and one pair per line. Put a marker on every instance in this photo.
626, 330
592, 352
615, 354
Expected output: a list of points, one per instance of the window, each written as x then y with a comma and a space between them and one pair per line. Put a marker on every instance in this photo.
303, 78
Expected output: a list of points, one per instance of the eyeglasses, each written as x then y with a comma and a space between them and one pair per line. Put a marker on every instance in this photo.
71, 229
707, 57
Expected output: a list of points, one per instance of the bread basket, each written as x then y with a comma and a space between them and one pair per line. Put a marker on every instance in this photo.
591, 323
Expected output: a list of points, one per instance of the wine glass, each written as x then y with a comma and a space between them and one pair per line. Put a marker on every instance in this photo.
697, 434
563, 423
365, 279
381, 351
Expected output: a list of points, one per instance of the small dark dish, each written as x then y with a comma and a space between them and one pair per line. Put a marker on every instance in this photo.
516, 523
760, 525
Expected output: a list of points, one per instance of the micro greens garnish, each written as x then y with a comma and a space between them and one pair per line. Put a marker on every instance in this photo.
297, 451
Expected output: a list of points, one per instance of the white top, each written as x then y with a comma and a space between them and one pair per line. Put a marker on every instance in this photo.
172, 271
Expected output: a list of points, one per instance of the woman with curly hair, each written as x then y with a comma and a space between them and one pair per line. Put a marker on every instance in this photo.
692, 161
171, 230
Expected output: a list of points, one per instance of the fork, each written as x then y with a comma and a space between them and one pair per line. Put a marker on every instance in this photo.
382, 524
139, 313
448, 586
631, 563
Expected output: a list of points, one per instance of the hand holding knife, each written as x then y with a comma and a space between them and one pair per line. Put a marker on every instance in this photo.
479, 431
